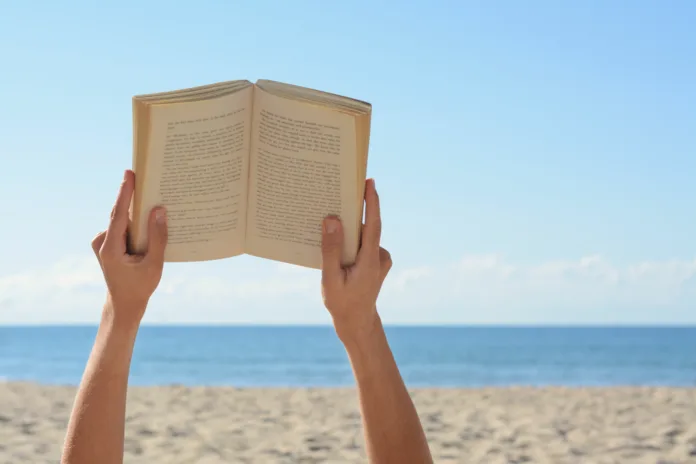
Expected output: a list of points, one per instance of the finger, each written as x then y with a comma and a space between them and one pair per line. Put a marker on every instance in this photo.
373, 219
332, 251
157, 232
116, 233
97, 243
385, 262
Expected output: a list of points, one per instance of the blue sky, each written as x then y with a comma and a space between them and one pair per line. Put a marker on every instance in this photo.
535, 160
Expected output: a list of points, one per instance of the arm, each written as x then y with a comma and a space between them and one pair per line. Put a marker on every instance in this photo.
96, 428
393, 432
392, 428
96, 425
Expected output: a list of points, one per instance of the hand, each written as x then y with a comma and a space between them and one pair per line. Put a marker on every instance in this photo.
350, 294
130, 279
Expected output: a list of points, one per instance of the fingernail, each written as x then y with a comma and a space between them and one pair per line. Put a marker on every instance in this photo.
330, 225
161, 216
125, 175
374, 184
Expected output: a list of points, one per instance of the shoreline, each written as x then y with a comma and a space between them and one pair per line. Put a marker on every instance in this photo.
214, 424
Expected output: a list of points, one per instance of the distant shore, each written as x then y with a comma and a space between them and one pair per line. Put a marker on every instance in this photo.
488, 425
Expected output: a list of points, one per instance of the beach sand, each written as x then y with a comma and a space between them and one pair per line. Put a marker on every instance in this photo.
492, 425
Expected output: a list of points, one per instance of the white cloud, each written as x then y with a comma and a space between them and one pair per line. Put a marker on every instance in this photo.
473, 289
400, 279
53, 293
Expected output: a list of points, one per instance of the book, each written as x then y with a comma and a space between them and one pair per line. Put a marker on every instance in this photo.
249, 168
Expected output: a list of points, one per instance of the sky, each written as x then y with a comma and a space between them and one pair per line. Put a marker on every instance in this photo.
535, 160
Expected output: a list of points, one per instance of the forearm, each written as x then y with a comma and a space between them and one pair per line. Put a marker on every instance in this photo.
393, 432
96, 429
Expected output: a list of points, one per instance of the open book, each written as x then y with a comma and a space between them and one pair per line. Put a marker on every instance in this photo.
249, 168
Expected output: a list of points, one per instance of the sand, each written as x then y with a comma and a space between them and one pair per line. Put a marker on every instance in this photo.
506, 425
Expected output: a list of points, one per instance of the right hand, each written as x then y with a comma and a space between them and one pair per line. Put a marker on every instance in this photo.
350, 293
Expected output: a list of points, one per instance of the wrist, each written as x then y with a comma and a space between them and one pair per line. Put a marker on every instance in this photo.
121, 318
369, 354
356, 338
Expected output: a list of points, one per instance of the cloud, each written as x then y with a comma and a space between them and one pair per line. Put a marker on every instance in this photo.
488, 289
73, 289
401, 279
473, 289
56, 292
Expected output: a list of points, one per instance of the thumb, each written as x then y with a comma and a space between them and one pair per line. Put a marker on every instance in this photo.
332, 250
157, 236
97, 243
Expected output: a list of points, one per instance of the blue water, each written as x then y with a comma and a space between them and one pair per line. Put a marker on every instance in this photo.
312, 356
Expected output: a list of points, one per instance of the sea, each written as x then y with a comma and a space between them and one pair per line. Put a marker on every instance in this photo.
246, 356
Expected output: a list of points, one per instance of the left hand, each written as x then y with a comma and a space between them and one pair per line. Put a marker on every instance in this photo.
131, 279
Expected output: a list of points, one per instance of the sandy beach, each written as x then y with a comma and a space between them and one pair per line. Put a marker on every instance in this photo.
493, 425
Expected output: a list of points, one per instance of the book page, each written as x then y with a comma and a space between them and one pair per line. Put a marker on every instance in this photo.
197, 167
303, 168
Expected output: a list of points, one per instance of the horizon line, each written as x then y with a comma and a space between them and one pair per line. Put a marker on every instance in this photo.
551, 325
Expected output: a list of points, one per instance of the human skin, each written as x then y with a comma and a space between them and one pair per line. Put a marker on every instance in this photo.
393, 432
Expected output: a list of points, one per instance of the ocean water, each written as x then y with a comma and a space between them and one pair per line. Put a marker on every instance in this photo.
312, 356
